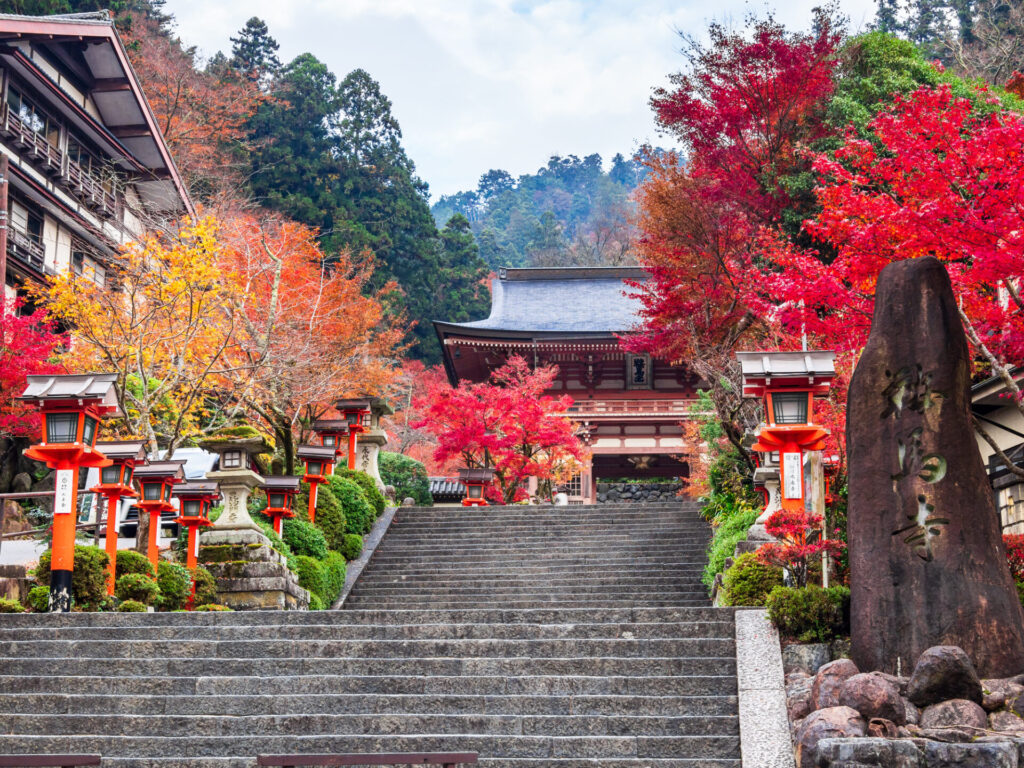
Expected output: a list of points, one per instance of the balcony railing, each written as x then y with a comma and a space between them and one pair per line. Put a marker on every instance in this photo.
26, 250
680, 408
53, 161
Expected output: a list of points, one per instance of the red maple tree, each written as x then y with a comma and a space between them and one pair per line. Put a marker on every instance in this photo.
508, 423
800, 541
29, 344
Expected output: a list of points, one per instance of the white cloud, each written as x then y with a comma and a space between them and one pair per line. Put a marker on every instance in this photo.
480, 84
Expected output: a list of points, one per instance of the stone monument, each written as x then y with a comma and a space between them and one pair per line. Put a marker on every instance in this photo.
927, 563
372, 442
250, 573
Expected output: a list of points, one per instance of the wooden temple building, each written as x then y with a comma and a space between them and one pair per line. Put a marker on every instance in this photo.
630, 407
87, 167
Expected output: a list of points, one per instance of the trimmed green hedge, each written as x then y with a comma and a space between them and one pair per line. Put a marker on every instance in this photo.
810, 614
175, 585
137, 586
352, 547
368, 486
748, 582
206, 586
88, 579
359, 515
132, 606
731, 530
130, 561
304, 538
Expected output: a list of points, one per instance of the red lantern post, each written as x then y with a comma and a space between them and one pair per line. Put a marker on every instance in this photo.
332, 433
281, 492
72, 407
356, 412
788, 382
157, 479
116, 484
476, 481
319, 459
194, 501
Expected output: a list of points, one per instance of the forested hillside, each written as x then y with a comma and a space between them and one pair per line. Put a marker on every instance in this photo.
571, 212
250, 132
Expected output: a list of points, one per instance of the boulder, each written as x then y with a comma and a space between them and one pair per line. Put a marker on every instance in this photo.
1000, 693
808, 657
829, 681
922, 525
408, 501
955, 713
912, 712
798, 704
869, 752
1006, 722
873, 696
829, 723
944, 672
999, 754
881, 728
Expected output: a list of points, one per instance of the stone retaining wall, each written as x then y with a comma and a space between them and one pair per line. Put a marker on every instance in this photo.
616, 493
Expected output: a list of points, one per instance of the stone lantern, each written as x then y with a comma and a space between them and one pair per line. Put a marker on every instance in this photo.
194, 501
281, 493
788, 382
116, 484
319, 461
250, 574
72, 407
156, 480
373, 441
357, 414
476, 482
332, 433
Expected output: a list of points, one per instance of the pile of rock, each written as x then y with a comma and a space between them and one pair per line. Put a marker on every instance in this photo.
941, 715
613, 493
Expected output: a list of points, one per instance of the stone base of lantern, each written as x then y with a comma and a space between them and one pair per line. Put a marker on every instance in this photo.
368, 452
250, 575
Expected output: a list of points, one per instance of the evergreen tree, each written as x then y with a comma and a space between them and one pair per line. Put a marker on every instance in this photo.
460, 281
254, 52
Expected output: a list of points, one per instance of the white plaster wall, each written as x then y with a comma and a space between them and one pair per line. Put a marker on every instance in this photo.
1011, 417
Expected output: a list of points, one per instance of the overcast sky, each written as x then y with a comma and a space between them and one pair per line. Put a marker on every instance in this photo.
480, 84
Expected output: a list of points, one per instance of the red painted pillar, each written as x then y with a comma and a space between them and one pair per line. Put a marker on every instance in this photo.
351, 450
152, 551
312, 501
111, 542
65, 518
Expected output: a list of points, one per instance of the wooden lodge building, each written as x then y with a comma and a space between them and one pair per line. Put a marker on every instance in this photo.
630, 407
88, 169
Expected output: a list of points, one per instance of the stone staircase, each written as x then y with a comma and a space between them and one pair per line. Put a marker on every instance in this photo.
537, 636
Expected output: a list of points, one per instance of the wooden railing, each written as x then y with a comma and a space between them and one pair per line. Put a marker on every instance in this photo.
651, 407
446, 759
58, 761
70, 174
25, 249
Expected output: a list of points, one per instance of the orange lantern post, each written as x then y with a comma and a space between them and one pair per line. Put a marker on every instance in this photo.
333, 433
194, 501
356, 413
319, 459
157, 479
72, 407
281, 492
788, 382
476, 481
116, 484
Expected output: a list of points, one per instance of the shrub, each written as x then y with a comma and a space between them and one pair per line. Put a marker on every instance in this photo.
304, 539
39, 599
330, 516
1014, 543
800, 543
315, 603
132, 606
352, 546
130, 561
369, 487
212, 607
10, 606
731, 530
137, 586
88, 580
408, 476
175, 585
749, 581
810, 614
334, 577
359, 515
311, 576
206, 586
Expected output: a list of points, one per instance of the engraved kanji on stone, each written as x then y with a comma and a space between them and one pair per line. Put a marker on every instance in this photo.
909, 388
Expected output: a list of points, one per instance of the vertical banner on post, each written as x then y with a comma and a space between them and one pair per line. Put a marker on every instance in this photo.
63, 500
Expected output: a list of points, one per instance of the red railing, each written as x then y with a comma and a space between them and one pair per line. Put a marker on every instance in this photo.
446, 759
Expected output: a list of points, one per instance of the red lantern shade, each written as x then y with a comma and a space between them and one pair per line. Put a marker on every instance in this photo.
157, 479
281, 492
476, 482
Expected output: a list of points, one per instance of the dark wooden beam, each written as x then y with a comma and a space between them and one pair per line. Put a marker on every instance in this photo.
108, 84
130, 131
